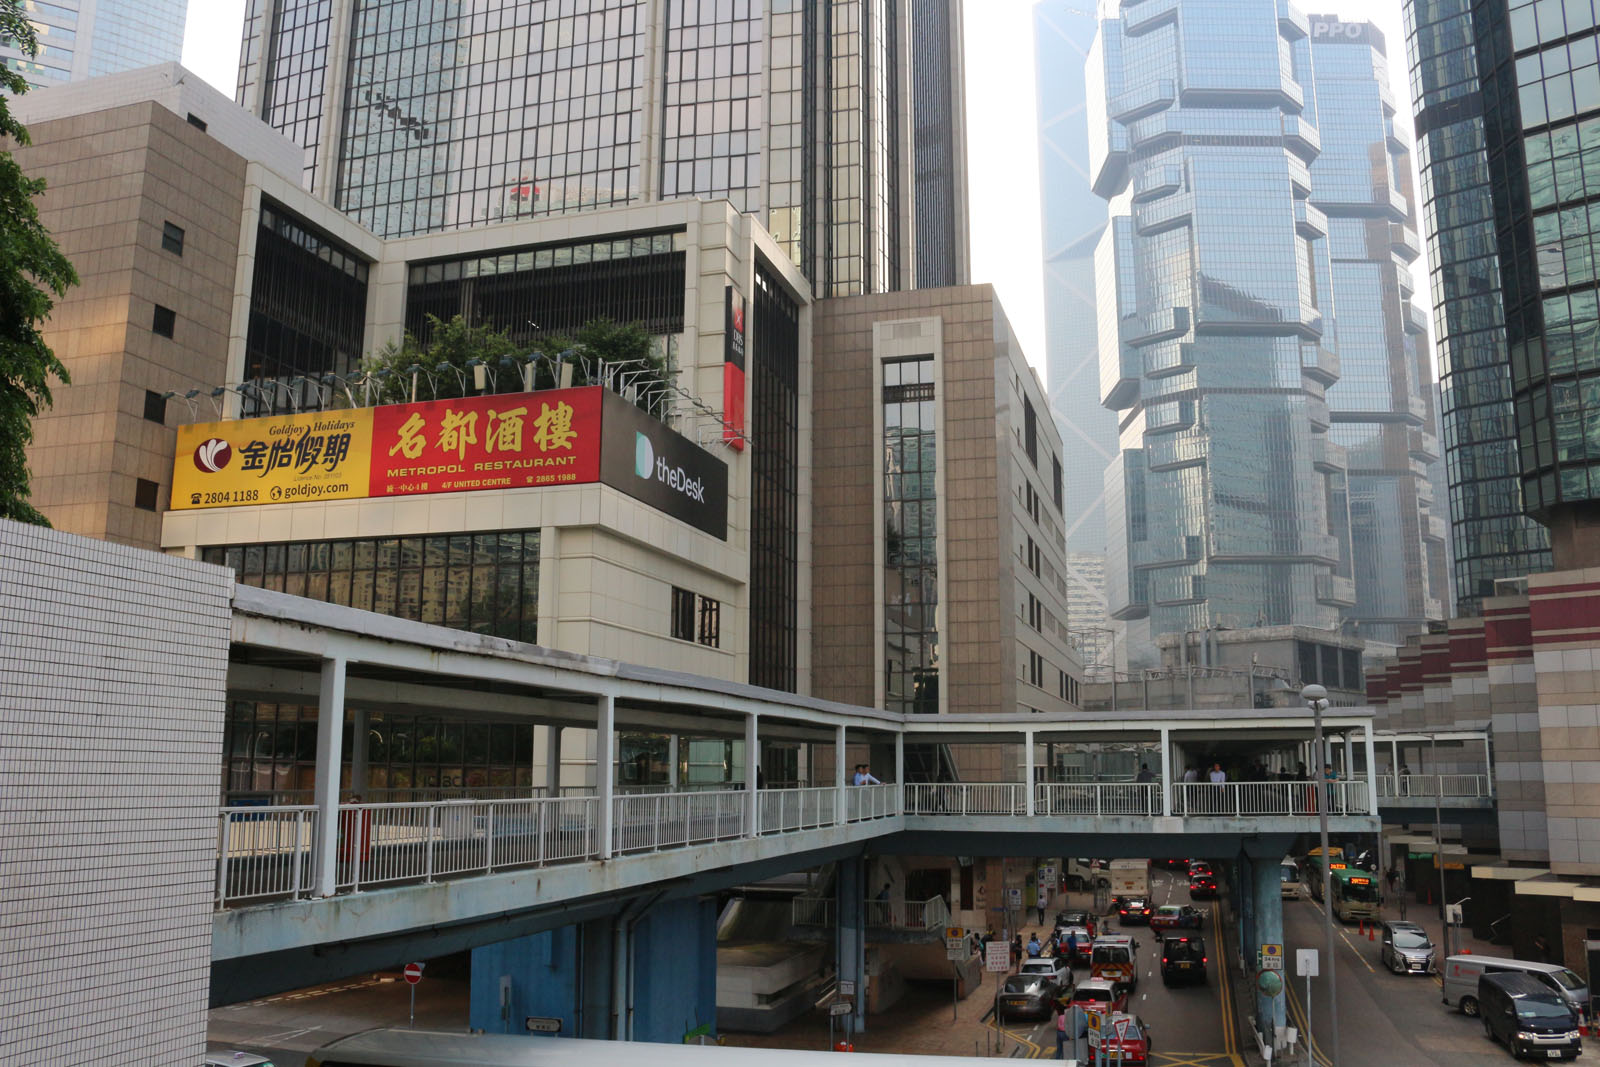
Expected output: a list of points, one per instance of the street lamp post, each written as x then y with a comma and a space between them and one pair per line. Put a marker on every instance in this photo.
1316, 698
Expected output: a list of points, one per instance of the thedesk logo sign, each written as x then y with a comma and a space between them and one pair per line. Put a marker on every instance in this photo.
646, 465
651, 463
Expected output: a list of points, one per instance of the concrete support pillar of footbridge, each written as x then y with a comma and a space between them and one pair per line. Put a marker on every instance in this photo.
605, 766
552, 761
1027, 762
839, 780
1244, 896
752, 764
1268, 919
850, 934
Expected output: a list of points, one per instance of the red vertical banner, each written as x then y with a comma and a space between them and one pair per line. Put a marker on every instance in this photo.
733, 349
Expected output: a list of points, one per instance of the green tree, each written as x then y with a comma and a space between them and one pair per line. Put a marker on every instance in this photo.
444, 367
31, 269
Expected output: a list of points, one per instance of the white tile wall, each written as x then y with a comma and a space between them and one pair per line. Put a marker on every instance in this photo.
113, 669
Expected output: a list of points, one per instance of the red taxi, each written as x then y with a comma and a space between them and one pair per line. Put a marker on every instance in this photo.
1124, 1039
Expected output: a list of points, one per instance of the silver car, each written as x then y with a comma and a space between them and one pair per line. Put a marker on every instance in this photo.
1406, 949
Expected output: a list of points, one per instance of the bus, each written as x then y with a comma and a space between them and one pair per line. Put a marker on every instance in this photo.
422, 1048
1354, 892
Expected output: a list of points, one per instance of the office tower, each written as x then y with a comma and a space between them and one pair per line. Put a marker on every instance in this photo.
1490, 535
1226, 505
1381, 407
1074, 217
1541, 119
83, 38
419, 116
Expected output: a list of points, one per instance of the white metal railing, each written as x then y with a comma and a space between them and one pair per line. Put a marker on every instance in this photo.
1458, 786
811, 911
1098, 798
266, 852
897, 913
783, 810
966, 798
651, 821
1242, 799
864, 802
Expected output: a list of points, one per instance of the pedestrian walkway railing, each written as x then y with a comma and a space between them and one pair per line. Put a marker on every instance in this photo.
966, 798
808, 808
1445, 786
1098, 798
897, 913
1241, 799
864, 802
811, 911
266, 852
652, 821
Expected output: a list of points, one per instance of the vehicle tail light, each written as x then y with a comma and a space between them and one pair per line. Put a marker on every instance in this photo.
1203, 959
1163, 961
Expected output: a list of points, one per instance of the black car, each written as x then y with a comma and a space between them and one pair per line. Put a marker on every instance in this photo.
1183, 960
1529, 1017
1132, 910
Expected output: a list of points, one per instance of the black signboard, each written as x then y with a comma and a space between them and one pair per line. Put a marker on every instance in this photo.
649, 462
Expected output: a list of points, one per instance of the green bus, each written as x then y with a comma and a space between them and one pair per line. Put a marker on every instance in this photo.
1354, 891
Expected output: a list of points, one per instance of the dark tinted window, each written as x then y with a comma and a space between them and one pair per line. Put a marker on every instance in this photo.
155, 407
164, 321
1188, 949
172, 238
145, 493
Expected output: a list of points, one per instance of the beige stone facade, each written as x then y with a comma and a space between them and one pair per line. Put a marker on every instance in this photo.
999, 528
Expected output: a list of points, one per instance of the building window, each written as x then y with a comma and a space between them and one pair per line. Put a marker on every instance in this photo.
682, 614
774, 487
696, 618
145, 493
164, 321
710, 622
1034, 557
1035, 612
486, 583
1055, 484
1030, 433
155, 407
197, 122
270, 752
172, 238
1035, 669
910, 506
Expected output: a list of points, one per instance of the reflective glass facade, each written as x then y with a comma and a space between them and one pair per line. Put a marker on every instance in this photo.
774, 487
1490, 536
85, 38
1073, 218
911, 544
1540, 80
1211, 284
1381, 406
453, 114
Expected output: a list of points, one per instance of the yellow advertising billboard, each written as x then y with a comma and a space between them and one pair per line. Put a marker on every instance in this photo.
322, 455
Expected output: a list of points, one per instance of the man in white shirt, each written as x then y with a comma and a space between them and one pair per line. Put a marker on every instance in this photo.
1218, 775
866, 776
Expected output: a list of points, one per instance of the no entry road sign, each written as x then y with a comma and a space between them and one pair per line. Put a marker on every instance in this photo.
413, 973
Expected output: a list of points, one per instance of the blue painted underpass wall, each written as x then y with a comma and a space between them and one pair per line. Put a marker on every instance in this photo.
545, 972
1268, 919
675, 970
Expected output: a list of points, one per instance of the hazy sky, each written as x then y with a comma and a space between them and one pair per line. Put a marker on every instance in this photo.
1001, 136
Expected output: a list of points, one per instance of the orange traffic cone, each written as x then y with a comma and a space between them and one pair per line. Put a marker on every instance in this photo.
1372, 932
1466, 951
1363, 927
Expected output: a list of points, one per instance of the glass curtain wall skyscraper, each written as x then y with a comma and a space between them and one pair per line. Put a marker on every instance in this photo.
840, 124
1074, 218
81, 39
1227, 504
1381, 407
1490, 535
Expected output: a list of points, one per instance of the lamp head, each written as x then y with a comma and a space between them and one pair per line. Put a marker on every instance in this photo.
1313, 692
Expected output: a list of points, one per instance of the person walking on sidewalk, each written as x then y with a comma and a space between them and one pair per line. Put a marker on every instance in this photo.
1062, 1008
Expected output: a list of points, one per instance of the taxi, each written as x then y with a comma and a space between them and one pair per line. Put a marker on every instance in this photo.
1124, 1039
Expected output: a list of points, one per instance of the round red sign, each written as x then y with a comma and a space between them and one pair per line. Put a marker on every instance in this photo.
413, 973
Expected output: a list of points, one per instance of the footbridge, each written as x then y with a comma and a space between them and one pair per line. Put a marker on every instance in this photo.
306, 891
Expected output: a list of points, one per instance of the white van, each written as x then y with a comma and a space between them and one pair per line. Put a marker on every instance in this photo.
1461, 974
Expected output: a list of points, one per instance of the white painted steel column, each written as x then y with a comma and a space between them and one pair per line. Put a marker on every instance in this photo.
900, 773
1027, 752
1166, 771
838, 776
1394, 764
672, 763
1349, 756
605, 766
1372, 773
752, 762
1488, 766
330, 740
552, 761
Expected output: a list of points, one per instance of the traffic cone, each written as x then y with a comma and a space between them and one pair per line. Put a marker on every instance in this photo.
1466, 951
1363, 928
1372, 932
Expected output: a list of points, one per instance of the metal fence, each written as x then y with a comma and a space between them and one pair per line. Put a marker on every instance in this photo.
864, 802
266, 852
1132, 798
652, 821
966, 798
1240, 799
1457, 786
783, 810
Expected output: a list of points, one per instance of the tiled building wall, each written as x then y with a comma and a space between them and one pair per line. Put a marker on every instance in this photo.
1564, 622
114, 177
113, 667
1514, 718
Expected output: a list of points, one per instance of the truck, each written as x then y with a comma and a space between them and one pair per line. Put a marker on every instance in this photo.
1130, 878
